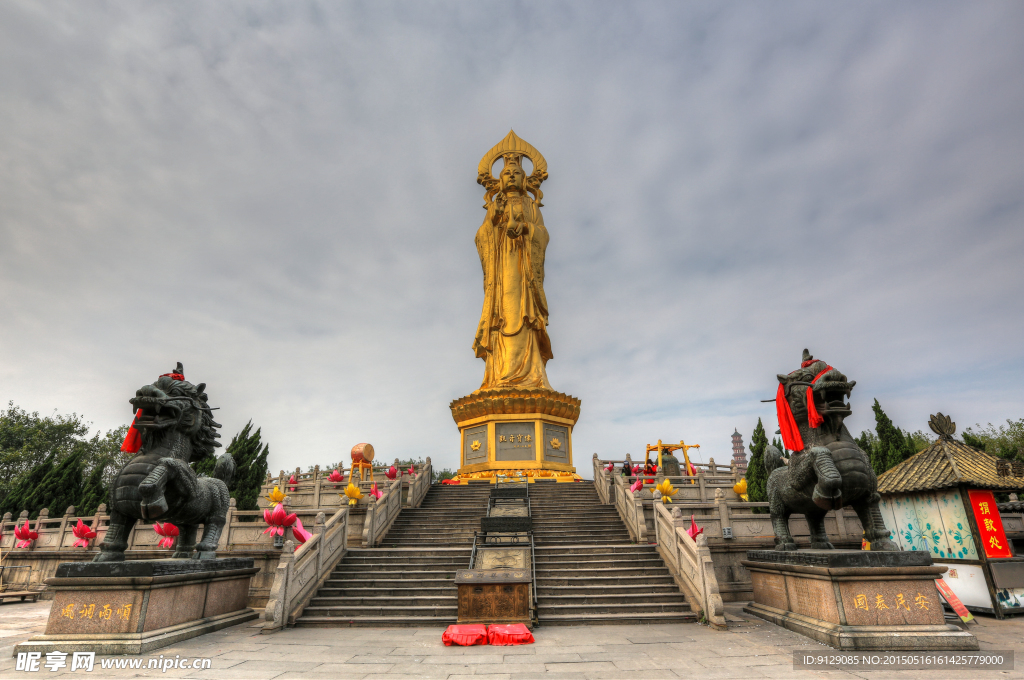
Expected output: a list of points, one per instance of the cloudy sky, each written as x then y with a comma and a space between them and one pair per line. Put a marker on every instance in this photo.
282, 196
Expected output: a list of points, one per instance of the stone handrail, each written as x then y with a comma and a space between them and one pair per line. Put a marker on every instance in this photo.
418, 485
631, 511
301, 572
690, 562
243, 530
702, 487
381, 514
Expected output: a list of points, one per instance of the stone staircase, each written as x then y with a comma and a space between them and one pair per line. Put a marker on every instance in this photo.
410, 580
588, 571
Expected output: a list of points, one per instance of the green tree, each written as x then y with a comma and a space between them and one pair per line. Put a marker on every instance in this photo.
28, 440
893, 446
1005, 441
94, 491
757, 475
443, 474
49, 485
250, 456
868, 442
19, 496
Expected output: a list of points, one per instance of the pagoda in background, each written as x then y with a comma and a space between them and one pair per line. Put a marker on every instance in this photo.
739, 455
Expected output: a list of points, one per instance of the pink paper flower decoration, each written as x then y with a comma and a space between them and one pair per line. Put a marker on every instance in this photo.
169, 533
375, 492
291, 480
300, 533
83, 533
411, 470
278, 519
637, 485
392, 472
25, 534
336, 477
609, 467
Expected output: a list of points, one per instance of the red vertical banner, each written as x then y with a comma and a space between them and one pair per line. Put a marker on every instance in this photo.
993, 538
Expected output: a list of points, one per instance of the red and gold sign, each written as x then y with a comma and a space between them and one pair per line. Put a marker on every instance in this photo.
990, 525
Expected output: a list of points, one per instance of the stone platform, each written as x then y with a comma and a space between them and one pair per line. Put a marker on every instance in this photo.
855, 599
137, 606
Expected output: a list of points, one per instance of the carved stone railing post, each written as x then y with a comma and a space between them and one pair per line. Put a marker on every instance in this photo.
712, 468
318, 530
368, 522
225, 536
702, 484
276, 612
723, 511
317, 479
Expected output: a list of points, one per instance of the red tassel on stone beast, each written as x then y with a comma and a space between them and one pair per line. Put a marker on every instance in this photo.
133, 440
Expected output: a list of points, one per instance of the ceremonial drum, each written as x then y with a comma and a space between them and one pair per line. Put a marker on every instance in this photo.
362, 453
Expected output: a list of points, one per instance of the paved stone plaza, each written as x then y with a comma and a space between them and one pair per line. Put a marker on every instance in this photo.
751, 648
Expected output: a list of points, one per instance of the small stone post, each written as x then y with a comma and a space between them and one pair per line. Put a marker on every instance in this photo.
64, 522
225, 536
723, 511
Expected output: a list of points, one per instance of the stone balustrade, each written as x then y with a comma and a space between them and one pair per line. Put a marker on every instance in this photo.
314, 490
301, 572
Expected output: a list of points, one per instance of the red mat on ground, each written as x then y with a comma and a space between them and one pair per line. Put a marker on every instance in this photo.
509, 634
465, 635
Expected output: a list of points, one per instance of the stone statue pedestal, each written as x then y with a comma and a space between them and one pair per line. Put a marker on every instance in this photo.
528, 430
855, 599
137, 606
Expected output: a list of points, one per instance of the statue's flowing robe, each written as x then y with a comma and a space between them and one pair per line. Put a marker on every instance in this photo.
512, 337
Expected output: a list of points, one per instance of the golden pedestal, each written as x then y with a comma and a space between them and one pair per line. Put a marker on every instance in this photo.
509, 430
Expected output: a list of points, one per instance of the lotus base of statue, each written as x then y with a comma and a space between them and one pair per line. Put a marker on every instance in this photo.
516, 432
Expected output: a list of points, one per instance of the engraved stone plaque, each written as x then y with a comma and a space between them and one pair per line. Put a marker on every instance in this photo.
503, 558
556, 443
475, 450
514, 441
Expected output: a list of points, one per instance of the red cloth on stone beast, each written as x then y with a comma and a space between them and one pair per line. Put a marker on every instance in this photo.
791, 438
509, 634
465, 635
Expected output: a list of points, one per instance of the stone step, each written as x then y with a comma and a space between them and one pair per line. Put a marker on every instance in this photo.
422, 600
451, 610
393, 621
588, 565
431, 582
631, 608
667, 601
407, 552
603, 572
616, 618
550, 581
444, 588
642, 589
407, 570
549, 555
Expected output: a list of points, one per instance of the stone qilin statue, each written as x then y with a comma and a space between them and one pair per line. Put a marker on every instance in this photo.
512, 337
173, 427
827, 469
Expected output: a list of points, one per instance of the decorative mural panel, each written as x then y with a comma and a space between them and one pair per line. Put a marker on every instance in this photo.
475, 450
958, 528
905, 516
930, 520
885, 506
556, 443
514, 441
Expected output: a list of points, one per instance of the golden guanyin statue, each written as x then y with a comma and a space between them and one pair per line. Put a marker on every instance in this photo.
512, 337
515, 423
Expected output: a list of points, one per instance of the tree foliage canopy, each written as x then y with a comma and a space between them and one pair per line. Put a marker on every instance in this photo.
757, 475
